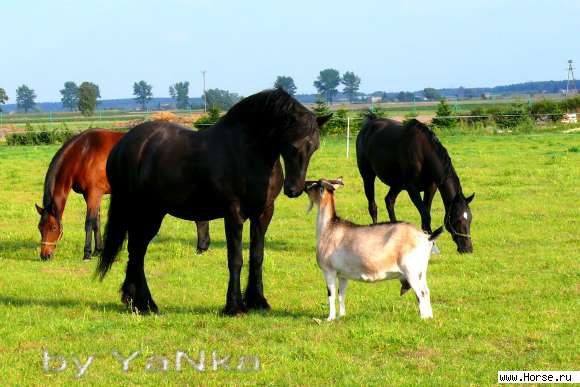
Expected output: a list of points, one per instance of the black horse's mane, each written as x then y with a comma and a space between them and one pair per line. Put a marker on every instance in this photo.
440, 150
417, 125
269, 110
51, 174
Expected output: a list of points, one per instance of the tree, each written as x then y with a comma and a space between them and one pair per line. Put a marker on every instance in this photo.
327, 82
70, 96
25, 98
180, 93
88, 94
443, 116
142, 93
3, 97
351, 84
431, 94
222, 99
285, 83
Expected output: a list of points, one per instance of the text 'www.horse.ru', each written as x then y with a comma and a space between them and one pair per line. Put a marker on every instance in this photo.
154, 363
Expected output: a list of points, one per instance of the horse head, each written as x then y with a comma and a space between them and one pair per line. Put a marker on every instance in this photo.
50, 229
458, 222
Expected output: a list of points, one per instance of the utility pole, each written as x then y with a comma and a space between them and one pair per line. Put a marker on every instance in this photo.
204, 94
571, 84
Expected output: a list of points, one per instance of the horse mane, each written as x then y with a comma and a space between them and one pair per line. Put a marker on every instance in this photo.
51, 174
440, 150
271, 110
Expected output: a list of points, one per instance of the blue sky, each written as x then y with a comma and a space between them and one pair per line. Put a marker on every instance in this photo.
244, 45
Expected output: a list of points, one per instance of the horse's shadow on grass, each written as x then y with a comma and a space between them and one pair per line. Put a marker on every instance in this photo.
214, 310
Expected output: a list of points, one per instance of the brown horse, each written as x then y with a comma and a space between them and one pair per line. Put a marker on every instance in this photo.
80, 164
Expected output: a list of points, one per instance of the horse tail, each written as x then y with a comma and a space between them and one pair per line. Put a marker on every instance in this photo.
435, 234
118, 218
115, 233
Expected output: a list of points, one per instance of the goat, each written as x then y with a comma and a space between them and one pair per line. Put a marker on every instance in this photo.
368, 253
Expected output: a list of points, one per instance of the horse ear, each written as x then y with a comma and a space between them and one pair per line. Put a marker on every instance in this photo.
470, 198
321, 120
39, 209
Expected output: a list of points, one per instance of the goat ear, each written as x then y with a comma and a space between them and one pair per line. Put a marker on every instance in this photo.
309, 184
39, 209
323, 119
470, 198
328, 185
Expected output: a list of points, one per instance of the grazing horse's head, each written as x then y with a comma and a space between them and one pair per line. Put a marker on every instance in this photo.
458, 222
297, 152
50, 232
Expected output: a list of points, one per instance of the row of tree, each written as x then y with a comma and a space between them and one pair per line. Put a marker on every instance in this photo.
326, 83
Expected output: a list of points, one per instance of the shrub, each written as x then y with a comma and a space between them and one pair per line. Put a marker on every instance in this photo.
204, 122
546, 110
443, 117
510, 117
39, 135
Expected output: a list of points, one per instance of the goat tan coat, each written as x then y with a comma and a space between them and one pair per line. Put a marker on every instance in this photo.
368, 253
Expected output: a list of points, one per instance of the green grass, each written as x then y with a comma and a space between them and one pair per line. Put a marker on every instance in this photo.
512, 305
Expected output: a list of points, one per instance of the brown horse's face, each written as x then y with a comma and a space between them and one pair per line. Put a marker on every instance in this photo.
296, 157
458, 223
50, 232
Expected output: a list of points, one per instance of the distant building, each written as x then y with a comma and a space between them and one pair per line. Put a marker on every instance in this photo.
376, 99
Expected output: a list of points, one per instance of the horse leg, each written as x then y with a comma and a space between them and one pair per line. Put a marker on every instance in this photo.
92, 201
135, 292
203, 239
234, 227
254, 295
415, 196
390, 200
97, 230
427, 201
369, 185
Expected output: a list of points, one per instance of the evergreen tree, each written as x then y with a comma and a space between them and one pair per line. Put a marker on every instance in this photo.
443, 116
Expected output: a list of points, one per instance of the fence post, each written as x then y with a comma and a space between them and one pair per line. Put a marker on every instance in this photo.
347, 137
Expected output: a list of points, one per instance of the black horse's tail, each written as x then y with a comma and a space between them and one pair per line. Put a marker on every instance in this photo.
115, 233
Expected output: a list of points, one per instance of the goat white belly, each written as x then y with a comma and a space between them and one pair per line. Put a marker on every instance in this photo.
352, 266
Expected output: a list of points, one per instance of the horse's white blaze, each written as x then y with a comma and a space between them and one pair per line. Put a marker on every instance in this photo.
465, 215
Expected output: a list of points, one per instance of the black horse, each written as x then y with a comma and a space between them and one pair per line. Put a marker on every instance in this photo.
410, 157
231, 170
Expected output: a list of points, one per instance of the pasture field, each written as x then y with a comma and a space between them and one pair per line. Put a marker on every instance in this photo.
512, 305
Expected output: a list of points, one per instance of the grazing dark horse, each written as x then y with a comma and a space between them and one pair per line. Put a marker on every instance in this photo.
80, 164
231, 170
410, 157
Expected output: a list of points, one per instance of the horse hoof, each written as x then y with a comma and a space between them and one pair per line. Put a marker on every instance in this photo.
234, 310
87, 258
200, 251
257, 302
